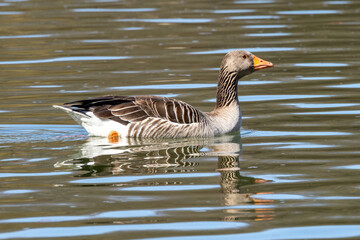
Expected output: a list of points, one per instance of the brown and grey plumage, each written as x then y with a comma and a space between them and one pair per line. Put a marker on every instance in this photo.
161, 117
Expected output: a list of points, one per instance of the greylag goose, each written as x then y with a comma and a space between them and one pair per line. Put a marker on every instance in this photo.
162, 117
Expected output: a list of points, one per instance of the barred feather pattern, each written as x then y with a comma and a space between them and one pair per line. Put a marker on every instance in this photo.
148, 116
159, 128
227, 88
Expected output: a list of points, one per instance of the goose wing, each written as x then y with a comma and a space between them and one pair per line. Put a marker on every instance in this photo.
126, 110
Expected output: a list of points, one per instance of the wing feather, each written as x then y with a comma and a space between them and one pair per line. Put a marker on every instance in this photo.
127, 110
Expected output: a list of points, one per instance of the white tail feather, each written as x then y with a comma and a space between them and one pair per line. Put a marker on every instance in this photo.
77, 116
94, 125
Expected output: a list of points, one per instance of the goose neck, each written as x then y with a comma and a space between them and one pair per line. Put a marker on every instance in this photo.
227, 89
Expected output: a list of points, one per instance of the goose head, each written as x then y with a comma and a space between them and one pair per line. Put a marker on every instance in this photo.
242, 63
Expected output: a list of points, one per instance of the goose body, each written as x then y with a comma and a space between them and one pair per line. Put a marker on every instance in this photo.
161, 117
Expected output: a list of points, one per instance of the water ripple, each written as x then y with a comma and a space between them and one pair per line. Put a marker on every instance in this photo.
65, 59
351, 85
286, 233
104, 40
267, 34
321, 105
18, 191
290, 145
320, 78
10, 13
337, 2
44, 86
112, 214
257, 82
351, 167
321, 64
139, 213
132, 28
26, 36
44, 174
87, 10
343, 112
255, 98
166, 86
233, 11
254, 17
11, 133
257, 49
167, 20
265, 26
292, 133
49, 232
303, 145
122, 179
308, 12
279, 196
170, 188
253, 1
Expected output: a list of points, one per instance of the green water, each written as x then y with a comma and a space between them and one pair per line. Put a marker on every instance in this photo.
291, 173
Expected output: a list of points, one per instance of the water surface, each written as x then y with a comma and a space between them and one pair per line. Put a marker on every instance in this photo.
291, 173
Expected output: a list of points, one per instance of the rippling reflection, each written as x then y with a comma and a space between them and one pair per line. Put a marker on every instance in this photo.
129, 162
150, 156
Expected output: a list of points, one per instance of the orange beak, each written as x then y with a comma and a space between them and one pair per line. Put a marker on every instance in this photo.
261, 64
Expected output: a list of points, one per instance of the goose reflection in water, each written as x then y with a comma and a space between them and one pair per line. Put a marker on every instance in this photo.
145, 157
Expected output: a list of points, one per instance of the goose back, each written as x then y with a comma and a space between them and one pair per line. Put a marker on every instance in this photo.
146, 116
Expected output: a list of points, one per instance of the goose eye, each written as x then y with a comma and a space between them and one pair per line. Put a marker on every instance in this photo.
244, 56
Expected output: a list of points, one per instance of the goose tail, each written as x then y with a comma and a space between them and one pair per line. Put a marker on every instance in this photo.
78, 116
